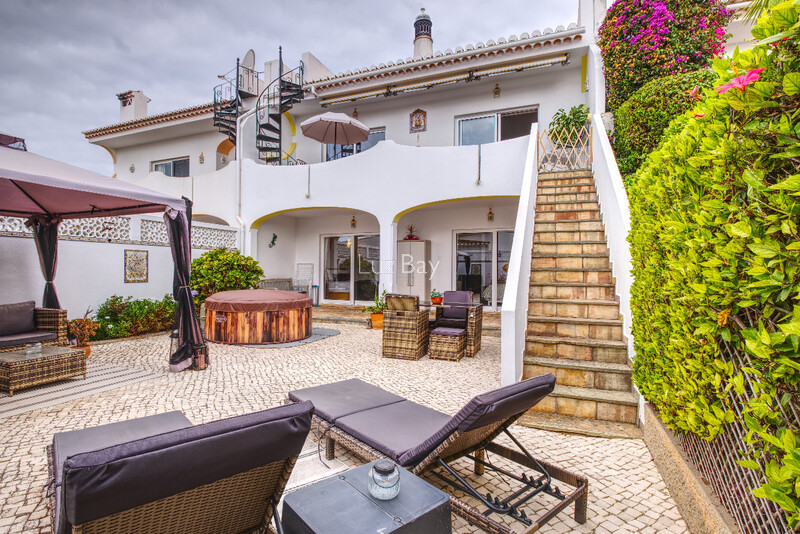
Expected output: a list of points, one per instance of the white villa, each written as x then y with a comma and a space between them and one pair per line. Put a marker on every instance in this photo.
450, 158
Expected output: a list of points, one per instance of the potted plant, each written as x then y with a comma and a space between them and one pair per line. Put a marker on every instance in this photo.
82, 330
436, 297
410, 235
376, 319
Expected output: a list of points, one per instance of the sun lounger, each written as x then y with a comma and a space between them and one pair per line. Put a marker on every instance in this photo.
160, 474
375, 423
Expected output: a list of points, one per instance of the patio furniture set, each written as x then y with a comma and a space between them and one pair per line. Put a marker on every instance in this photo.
162, 474
455, 332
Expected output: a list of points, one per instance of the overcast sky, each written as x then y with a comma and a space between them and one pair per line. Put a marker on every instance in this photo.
64, 61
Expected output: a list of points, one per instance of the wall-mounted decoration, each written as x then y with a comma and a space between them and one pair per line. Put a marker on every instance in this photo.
274, 239
418, 121
136, 267
353, 222
490, 215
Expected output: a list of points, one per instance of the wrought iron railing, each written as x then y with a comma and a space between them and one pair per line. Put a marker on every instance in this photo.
277, 98
565, 149
716, 460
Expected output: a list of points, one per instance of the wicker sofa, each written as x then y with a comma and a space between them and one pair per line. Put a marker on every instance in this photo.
22, 323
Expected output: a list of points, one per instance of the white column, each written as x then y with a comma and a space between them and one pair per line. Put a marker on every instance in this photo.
388, 255
250, 242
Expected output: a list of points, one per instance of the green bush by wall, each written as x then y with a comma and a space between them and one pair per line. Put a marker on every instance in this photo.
640, 122
125, 316
223, 270
715, 246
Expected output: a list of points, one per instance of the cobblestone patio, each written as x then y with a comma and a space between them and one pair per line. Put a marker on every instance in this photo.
626, 492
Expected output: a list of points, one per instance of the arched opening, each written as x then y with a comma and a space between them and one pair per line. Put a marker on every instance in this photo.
224, 153
210, 219
340, 245
470, 244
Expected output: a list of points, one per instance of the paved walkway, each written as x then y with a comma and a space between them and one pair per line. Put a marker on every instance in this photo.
627, 493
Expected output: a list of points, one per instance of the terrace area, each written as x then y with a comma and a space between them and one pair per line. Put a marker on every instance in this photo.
626, 491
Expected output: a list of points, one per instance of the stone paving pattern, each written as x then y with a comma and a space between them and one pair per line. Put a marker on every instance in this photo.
627, 494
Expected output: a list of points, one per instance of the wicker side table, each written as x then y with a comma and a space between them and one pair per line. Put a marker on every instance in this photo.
19, 370
447, 344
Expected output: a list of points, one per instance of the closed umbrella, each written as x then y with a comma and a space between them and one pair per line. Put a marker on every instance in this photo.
335, 129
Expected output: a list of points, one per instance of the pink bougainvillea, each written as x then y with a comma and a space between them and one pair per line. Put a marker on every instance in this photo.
646, 39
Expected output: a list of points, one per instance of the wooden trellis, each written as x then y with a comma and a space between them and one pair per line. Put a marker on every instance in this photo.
565, 149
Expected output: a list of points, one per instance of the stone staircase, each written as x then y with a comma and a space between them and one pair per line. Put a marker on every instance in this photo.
574, 324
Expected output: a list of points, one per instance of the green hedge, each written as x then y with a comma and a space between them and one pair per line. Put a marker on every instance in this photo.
223, 270
640, 122
716, 255
125, 316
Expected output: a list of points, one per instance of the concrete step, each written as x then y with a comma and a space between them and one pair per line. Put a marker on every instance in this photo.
576, 373
546, 198
550, 188
541, 235
567, 215
579, 309
570, 247
570, 261
590, 403
572, 290
583, 225
553, 422
585, 275
577, 348
566, 205
565, 175
572, 327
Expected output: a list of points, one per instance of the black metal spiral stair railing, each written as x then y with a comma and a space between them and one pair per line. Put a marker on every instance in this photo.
279, 96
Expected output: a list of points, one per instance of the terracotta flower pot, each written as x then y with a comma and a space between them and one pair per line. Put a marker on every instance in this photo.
377, 321
86, 349
436, 300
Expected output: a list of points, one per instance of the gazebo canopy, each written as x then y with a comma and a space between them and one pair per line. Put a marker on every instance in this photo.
31, 184
45, 191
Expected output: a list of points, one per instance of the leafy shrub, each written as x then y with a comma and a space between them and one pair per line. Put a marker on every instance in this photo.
640, 122
646, 39
716, 258
124, 316
566, 125
223, 270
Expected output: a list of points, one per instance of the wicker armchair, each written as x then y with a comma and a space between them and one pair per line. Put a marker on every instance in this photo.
45, 320
405, 328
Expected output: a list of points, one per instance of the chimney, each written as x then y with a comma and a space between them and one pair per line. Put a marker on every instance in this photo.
132, 106
423, 43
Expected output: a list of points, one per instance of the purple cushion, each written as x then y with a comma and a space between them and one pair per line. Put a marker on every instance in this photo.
485, 409
17, 318
332, 401
456, 297
35, 336
449, 332
120, 477
395, 428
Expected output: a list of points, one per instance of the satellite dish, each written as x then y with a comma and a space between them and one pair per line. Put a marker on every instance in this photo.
249, 60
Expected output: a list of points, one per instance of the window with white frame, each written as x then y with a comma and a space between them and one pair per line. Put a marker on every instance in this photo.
499, 126
178, 167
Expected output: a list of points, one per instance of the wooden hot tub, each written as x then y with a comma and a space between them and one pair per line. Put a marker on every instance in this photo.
257, 316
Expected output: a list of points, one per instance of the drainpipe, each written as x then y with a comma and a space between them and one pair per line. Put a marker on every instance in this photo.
239, 219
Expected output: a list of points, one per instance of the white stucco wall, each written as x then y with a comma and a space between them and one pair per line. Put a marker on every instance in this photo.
87, 273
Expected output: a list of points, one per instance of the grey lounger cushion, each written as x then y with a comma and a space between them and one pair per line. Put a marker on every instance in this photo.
338, 399
17, 318
123, 476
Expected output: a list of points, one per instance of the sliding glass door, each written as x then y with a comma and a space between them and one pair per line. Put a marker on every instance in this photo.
351, 267
481, 264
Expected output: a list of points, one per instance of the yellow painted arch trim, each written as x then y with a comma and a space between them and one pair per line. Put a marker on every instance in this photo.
294, 132
446, 201
113, 157
269, 216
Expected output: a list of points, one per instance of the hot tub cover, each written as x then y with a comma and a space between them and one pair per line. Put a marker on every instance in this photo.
256, 300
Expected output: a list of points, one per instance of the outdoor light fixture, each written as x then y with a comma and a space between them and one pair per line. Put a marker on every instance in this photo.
496, 90
202, 158
353, 222
355, 113
132, 168
490, 216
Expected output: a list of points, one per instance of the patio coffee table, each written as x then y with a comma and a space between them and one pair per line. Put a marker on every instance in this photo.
20, 370
343, 505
